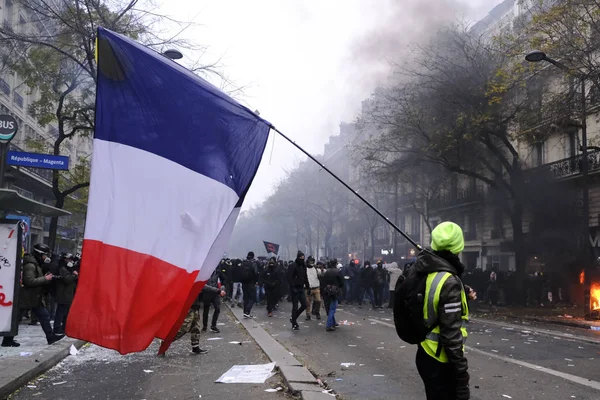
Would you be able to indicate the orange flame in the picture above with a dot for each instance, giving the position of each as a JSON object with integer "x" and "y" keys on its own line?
{"x": 582, "y": 277}
{"x": 595, "y": 296}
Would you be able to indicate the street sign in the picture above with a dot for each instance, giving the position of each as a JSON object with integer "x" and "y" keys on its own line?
{"x": 35, "y": 160}
{"x": 8, "y": 128}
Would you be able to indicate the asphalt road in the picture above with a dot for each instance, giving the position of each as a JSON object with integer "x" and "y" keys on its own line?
{"x": 97, "y": 373}
{"x": 505, "y": 362}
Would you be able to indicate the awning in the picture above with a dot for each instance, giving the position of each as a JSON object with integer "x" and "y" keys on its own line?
{"x": 12, "y": 201}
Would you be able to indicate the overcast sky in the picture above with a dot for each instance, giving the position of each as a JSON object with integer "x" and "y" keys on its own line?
{"x": 306, "y": 65}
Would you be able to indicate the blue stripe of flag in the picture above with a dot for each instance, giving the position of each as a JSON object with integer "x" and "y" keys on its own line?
{"x": 149, "y": 102}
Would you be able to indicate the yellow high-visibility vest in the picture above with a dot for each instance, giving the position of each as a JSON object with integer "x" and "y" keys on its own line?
{"x": 433, "y": 288}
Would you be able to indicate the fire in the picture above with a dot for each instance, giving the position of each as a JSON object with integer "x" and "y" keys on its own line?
{"x": 595, "y": 296}
{"x": 582, "y": 277}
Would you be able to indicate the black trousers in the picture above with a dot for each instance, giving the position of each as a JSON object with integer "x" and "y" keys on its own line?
{"x": 439, "y": 378}
{"x": 392, "y": 297}
{"x": 272, "y": 298}
{"x": 216, "y": 303}
{"x": 249, "y": 297}
{"x": 298, "y": 296}
{"x": 60, "y": 319}
{"x": 378, "y": 294}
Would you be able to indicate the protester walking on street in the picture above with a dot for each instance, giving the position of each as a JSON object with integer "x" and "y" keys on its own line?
{"x": 313, "y": 292}
{"x": 191, "y": 325}
{"x": 298, "y": 281}
{"x": 249, "y": 282}
{"x": 350, "y": 273}
{"x": 333, "y": 284}
{"x": 211, "y": 295}
{"x": 65, "y": 292}
{"x": 379, "y": 278}
{"x": 270, "y": 280}
{"x": 34, "y": 284}
{"x": 366, "y": 284}
{"x": 441, "y": 360}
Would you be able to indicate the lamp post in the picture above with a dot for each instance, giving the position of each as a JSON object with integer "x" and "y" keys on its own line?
{"x": 537, "y": 56}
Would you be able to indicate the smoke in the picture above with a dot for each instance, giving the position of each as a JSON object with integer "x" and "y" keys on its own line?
{"x": 395, "y": 27}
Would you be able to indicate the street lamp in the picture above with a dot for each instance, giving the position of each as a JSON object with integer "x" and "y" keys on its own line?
{"x": 173, "y": 54}
{"x": 537, "y": 56}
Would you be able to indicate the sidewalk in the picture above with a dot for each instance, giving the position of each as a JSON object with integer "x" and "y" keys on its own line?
{"x": 556, "y": 315}
{"x": 19, "y": 365}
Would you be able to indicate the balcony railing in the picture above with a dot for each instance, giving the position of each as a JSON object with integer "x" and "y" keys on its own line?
{"x": 570, "y": 167}
{"x": 463, "y": 196}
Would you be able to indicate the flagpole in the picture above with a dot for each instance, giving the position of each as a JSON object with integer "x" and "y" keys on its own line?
{"x": 355, "y": 192}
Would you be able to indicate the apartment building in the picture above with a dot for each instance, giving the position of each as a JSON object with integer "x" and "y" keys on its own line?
{"x": 15, "y": 98}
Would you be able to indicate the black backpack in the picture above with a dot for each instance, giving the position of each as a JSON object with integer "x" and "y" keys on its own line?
{"x": 409, "y": 299}
{"x": 248, "y": 272}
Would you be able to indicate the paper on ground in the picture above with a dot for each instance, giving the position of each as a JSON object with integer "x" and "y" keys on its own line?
{"x": 247, "y": 374}
{"x": 347, "y": 364}
{"x": 278, "y": 389}
{"x": 215, "y": 338}
{"x": 59, "y": 383}
{"x": 73, "y": 350}
{"x": 25, "y": 353}
{"x": 148, "y": 371}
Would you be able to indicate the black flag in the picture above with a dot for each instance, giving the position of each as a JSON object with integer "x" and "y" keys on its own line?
{"x": 271, "y": 247}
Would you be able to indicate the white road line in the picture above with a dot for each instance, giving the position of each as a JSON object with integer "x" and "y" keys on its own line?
{"x": 569, "y": 377}
{"x": 573, "y": 378}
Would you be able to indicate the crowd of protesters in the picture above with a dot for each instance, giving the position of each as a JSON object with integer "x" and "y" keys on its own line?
{"x": 313, "y": 287}
{"x": 48, "y": 286}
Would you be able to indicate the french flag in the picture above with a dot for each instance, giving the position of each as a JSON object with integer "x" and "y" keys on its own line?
{"x": 173, "y": 159}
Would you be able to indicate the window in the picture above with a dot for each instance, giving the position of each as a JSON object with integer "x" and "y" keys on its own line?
{"x": 537, "y": 154}
{"x": 18, "y": 99}
{"x": 570, "y": 141}
{"x": 415, "y": 226}
{"x": 4, "y": 87}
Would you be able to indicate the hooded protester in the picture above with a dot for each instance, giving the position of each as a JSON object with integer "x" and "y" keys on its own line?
{"x": 313, "y": 291}
{"x": 270, "y": 280}
{"x": 333, "y": 284}
{"x": 30, "y": 297}
{"x": 64, "y": 293}
{"x": 366, "y": 284}
{"x": 237, "y": 290}
{"x": 298, "y": 281}
{"x": 249, "y": 283}
{"x": 350, "y": 273}
{"x": 379, "y": 278}
{"x": 441, "y": 360}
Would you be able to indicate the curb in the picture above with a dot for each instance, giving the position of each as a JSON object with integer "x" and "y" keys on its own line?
{"x": 39, "y": 369}
{"x": 573, "y": 324}
{"x": 298, "y": 378}
{"x": 538, "y": 330}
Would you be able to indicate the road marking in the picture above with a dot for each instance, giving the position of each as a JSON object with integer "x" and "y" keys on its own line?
{"x": 573, "y": 378}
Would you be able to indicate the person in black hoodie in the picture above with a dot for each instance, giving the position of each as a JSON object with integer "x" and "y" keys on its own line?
{"x": 366, "y": 284}
{"x": 249, "y": 283}
{"x": 333, "y": 285}
{"x": 211, "y": 294}
{"x": 379, "y": 279}
{"x": 64, "y": 293}
{"x": 270, "y": 281}
{"x": 298, "y": 281}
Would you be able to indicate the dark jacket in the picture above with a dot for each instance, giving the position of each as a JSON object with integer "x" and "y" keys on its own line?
{"x": 65, "y": 287}
{"x": 379, "y": 275}
{"x": 333, "y": 277}
{"x": 270, "y": 277}
{"x": 34, "y": 284}
{"x": 211, "y": 289}
{"x": 366, "y": 277}
{"x": 296, "y": 275}
{"x": 450, "y": 322}
{"x": 351, "y": 270}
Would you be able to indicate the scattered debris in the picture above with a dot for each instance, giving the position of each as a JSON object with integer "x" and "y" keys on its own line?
{"x": 31, "y": 386}
{"x": 331, "y": 374}
{"x": 380, "y": 348}
{"x": 234, "y": 342}
{"x": 377, "y": 375}
{"x": 277, "y": 389}
{"x": 347, "y": 365}
{"x": 59, "y": 383}
{"x": 148, "y": 371}
{"x": 351, "y": 345}
{"x": 339, "y": 379}
{"x": 495, "y": 351}
{"x": 595, "y": 328}
{"x": 505, "y": 340}
{"x": 507, "y": 396}
{"x": 247, "y": 374}
{"x": 568, "y": 359}
{"x": 73, "y": 350}
{"x": 215, "y": 338}
{"x": 25, "y": 353}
